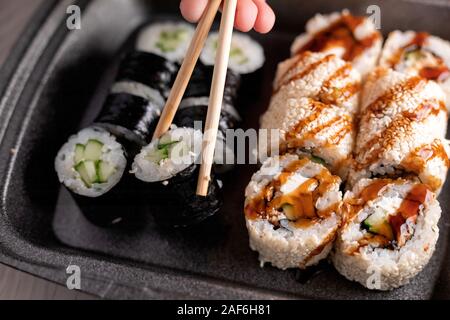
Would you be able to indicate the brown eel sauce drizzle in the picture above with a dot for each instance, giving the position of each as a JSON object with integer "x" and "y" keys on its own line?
{"x": 428, "y": 72}
{"x": 341, "y": 34}
{"x": 267, "y": 204}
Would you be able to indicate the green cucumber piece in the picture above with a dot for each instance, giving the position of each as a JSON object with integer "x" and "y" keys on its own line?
{"x": 88, "y": 172}
{"x": 414, "y": 55}
{"x": 93, "y": 150}
{"x": 170, "y": 40}
{"x": 318, "y": 160}
{"x": 79, "y": 153}
{"x": 289, "y": 211}
{"x": 378, "y": 223}
{"x": 104, "y": 171}
{"x": 166, "y": 145}
{"x": 237, "y": 53}
{"x": 157, "y": 155}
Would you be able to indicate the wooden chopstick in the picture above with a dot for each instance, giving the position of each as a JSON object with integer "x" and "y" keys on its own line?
{"x": 187, "y": 67}
{"x": 216, "y": 95}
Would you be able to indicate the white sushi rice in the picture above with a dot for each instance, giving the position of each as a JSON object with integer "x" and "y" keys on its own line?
{"x": 365, "y": 62}
{"x": 183, "y": 155}
{"x": 112, "y": 152}
{"x": 391, "y": 136}
{"x": 138, "y": 89}
{"x": 397, "y": 40}
{"x": 286, "y": 113}
{"x": 290, "y": 246}
{"x": 150, "y": 39}
{"x": 246, "y": 55}
{"x": 379, "y": 268}
{"x": 311, "y": 73}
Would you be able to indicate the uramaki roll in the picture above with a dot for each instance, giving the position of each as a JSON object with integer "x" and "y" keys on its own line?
{"x": 389, "y": 232}
{"x": 323, "y": 77}
{"x": 291, "y": 211}
{"x": 352, "y": 38}
{"x": 418, "y": 53}
{"x": 401, "y": 131}
{"x": 309, "y": 126}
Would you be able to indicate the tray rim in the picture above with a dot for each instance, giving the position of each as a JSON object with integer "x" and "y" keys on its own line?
{"x": 25, "y": 256}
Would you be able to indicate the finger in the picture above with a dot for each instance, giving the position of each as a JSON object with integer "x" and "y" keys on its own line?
{"x": 266, "y": 17}
{"x": 246, "y": 13}
{"x": 192, "y": 10}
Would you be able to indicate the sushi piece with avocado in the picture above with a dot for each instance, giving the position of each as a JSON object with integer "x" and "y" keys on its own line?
{"x": 389, "y": 227}
{"x": 292, "y": 211}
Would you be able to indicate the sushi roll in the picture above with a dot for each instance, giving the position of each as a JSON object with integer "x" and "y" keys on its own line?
{"x": 91, "y": 163}
{"x": 170, "y": 167}
{"x": 389, "y": 232}
{"x": 246, "y": 55}
{"x": 292, "y": 211}
{"x": 154, "y": 74}
{"x": 193, "y": 110}
{"x": 402, "y": 125}
{"x": 166, "y": 39}
{"x": 312, "y": 127}
{"x": 418, "y": 53}
{"x": 321, "y": 76}
{"x": 352, "y": 38}
{"x": 133, "y": 107}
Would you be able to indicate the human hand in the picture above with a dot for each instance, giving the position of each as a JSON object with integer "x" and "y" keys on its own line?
{"x": 250, "y": 14}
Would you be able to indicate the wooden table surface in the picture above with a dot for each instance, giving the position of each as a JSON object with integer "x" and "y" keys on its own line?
{"x": 14, "y": 284}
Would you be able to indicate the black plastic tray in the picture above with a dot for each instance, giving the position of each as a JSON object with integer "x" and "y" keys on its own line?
{"x": 53, "y": 84}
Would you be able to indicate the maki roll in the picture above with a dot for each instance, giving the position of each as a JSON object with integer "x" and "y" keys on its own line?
{"x": 389, "y": 232}
{"x": 352, "y": 38}
{"x": 246, "y": 55}
{"x": 402, "y": 125}
{"x": 92, "y": 165}
{"x": 132, "y": 109}
{"x": 166, "y": 39}
{"x": 311, "y": 127}
{"x": 418, "y": 53}
{"x": 152, "y": 72}
{"x": 194, "y": 108}
{"x": 323, "y": 77}
{"x": 170, "y": 167}
{"x": 292, "y": 211}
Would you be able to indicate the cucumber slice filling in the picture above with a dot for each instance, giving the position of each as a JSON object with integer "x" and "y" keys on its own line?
{"x": 88, "y": 172}
{"x": 170, "y": 40}
{"x": 93, "y": 150}
{"x": 79, "y": 153}
{"x": 88, "y": 164}
{"x": 162, "y": 150}
{"x": 318, "y": 160}
{"x": 377, "y": 223}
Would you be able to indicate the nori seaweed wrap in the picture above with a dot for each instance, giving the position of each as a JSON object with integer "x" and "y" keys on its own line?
{"x": 170, "y": 167}
{"x": 129, "y": 115}
{"x": 194, "y": 107}
{"x": 150, "y": 69}
{"x": 132, "y": 109}
{"x": 180, "y": 206}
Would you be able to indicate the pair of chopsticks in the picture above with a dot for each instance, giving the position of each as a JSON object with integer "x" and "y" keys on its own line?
{"x": 217, "y": 86}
